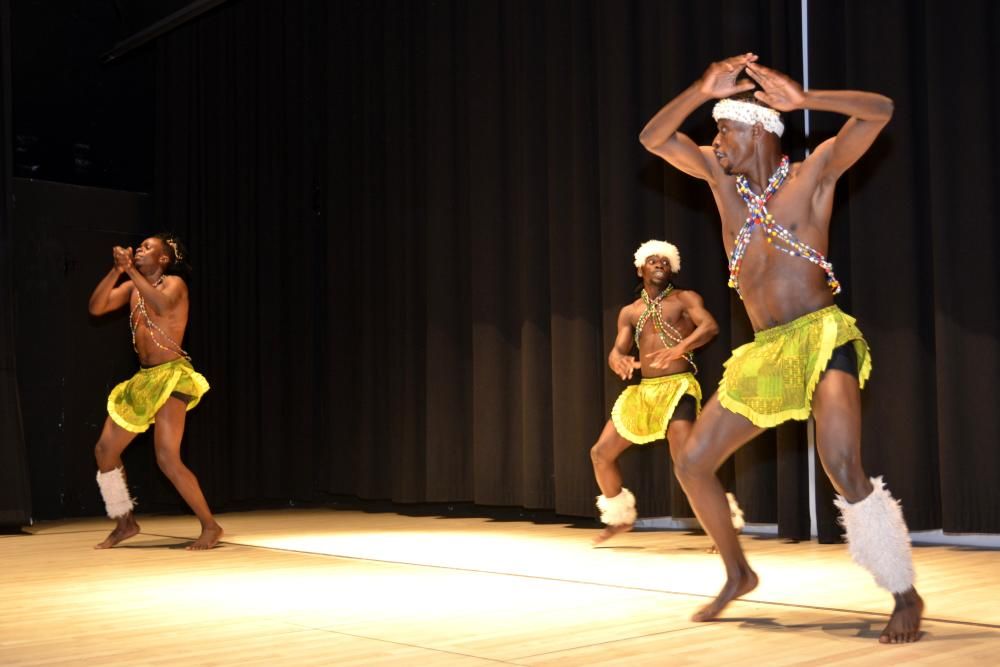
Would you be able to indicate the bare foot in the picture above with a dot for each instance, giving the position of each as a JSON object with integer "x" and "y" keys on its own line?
{"x": 126, "y": 528}
{"x": 611, "y": 531}
{"x": 733, "y": 588}
{"x": 210, "y": 536}
{"x": 904, "y": 624}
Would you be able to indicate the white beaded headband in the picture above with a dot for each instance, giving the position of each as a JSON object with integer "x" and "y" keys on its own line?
{"x": 749, "y": 113}
{"x": 661, "y": 249}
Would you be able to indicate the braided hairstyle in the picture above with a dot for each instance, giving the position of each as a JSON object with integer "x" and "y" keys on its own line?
{"x": 178, "y": 254}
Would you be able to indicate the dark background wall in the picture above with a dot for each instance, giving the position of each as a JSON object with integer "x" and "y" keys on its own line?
{"x": 71, "y": 357}
{"x": 76, "y": 120}
{"x": 15, "y": 497}
{"x": 412, "y": 226}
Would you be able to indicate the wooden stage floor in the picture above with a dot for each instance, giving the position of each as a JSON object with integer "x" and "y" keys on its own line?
{"x": 334, "y": 587}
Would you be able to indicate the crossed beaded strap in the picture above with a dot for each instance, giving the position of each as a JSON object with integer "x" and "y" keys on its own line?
{"x": 757, "y": 208}
{"x": 152, "y": 327}
{"x": 667, "y": 334}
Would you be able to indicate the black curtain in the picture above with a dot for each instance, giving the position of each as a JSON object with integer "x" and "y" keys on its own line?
{"x": 917, "y": 229}
{"x": 15, "y": 494}
{"x": 412, "y": 225}
{"x": 416, "y": 223}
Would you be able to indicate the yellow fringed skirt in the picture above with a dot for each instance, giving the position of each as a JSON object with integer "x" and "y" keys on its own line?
{"x": 643, "y": 411}
{"x": 772, "y": 379}
{"x": 133, "y": 404}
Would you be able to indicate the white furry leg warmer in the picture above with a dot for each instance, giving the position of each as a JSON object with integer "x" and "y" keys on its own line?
{"x": 735, "y": 513}
{"x": 114, "y": 490}
{"x": 618, "y": 510}
{"x": 877, "y": 537}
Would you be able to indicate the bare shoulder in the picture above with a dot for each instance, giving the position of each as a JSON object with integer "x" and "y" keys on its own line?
{"x": 689, "y": 298}
{"x": 694, "y": 309}
{"x": 174, "y": 282}
{"x": 175, "y": 288}
{"x": 814, "y": 165}
{"x": 630, "y": 312}
{"x": 813, "y": 179}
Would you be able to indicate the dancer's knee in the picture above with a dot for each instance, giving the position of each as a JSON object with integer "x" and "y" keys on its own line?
{"x": 103, "y": 451}
{"x": 599, "y": 454}
{"x": 678, "y": 431}
{"x": 691, "y": 461}
{"x": 170, "y": 464}
{"x": 677, "y": 438}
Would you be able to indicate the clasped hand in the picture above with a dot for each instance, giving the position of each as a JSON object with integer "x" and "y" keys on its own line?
{"x": 122, "y": 257}
{"x": 778, "y": 91}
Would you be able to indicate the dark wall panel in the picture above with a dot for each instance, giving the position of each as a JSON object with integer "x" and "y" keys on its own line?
{"x": 68, "y": 361}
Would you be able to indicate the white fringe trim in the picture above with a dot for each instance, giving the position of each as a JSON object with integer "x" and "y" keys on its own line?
{"x": 618, "y": 510}
{"x": 114, "y": 490}
{"x": 877, "y": 537}
{"x": 735, "y": 513}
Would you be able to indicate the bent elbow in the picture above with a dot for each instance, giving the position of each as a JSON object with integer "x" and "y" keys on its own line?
{"x": 647, "y": 141}
{"x": 888, "y": 107}
{"x": 711, "y": 329}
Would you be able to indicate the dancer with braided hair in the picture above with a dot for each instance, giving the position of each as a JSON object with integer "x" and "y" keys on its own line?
{"x": 163, "y": 390}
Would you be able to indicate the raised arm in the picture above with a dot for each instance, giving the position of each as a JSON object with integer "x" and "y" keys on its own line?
{"x": 661, "y": 135}
{"x": 868, "y": 114}
{"x": 108, "y": 296}
{"x": 619, "y": 359}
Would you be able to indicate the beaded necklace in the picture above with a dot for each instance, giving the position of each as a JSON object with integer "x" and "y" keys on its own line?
{"x": 757, "y": 207}
{"x": 667, "y": 334}
{"x": 151, "y": 326}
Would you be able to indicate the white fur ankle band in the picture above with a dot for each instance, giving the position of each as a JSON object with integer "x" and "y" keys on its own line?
{"x": 878, "y": 539}
{"x": 618, "y": 510}
{"x": 749, "y": 113}
{"x": 114, "y": 490}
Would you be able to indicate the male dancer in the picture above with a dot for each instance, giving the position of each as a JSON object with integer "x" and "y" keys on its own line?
{"x": 807, "y": 356}
{"x": 666, "y": 324}
{"x": 163, "y": 390}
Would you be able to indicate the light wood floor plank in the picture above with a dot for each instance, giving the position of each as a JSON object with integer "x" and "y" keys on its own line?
{"x": 322, "y": 587}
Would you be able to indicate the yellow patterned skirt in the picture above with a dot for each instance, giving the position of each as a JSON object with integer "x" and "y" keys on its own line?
{"x": 133, "y": 404}
{"x": 643, "y": 411}
{"x": 772, "y": 379}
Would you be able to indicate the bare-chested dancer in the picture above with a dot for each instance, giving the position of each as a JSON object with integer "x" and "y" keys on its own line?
{"x": 666, "y": 325}
{"x": 163, "y": 390}
{"x": 807, "y": 357}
